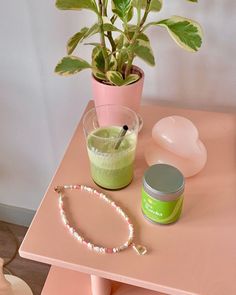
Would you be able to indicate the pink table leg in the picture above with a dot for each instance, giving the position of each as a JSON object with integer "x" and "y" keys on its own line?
{"x": 100, "y": 286}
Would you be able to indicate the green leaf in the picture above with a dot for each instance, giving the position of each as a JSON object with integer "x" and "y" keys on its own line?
{"x": 130, "y": 14}
{"x": 185, "y": 32}
{"x": 74, "y": 40}
{"x": 121, "y": 8}
{"x": 86, "y": 33}
{"x": 131, "y": 79}
{"x": 96, "y": 29}
{"x": 98, "y": 61}
{"x": 132, "y": 28}
{"x": 111, "y": 28}
{"x": 193, "y": 1}
{"x": 143, "y": 49}
{"x": 70, "y": 65}
{"x": 112, "y": 62}
{"x": 92, "y": 43}
{"x": 92, "y": 31}
{"x": 155, "y": 5}
{"x": 108, "y": 26}
{"x": 122, "y": 56}
{"x": 143, "y": 37}
{"x": 119, "y": 41}
{"x": 96, "y": 50}
{"x": 76, "y": 5}
{"x": 99, "y": 75}
{"x": 115, "y": 78}
{"x": 122, "y": 59}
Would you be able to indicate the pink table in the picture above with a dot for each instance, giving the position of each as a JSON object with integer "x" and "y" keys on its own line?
{"x": 196, "y": 255}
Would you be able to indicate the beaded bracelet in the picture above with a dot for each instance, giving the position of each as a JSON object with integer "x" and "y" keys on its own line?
{"x": 141, "y": 250}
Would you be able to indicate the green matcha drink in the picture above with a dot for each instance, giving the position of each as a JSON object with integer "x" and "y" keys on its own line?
{"x": 111, "y": 168}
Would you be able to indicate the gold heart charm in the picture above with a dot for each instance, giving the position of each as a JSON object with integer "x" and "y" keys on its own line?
{"x": 141, "y": 250}
{"x": 58, "y": 189}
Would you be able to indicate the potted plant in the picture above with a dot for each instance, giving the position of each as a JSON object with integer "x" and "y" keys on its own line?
{"x": 115, "y": 79}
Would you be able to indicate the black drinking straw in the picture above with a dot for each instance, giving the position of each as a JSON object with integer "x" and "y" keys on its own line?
{"x": 121, "y": 136}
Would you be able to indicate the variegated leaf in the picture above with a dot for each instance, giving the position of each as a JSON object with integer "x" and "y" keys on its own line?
{"x": 141, "y": 36}
{"x": 92, "y": 31}
{"x": 130, "y": 14}
{"x": 108, "y": 26}
{"x": 111, "y": 28}
{"x": 115, "y": 78}
{"x": 71, "y": 65}
{"x": 185, "y": 32}
{"x": 95, "y": 50}
{"x": 98, "y": 61}
{"x": 76, "y": 5}
{"x": 74, "y": 40}
{"x": 122, "y": 59}
{"x": 95, "y": 29}
{"x": 98, "y": 74}
{"x": 131, "y": 79}
{"x": 155, "y": 5}
{"x": 119, "y": 41}
{"x": 112, "y": 62}
{"x": 122, "y": 8}
{"x": 143, "y": 49}
{"x": 92, "y": 43}
{"x": 132, "y": 28}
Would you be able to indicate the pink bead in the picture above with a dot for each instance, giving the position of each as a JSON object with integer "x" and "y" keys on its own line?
{"x": 109, "y": 250}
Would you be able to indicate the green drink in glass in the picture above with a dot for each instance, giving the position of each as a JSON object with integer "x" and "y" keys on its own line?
{"x": 110, "y": 152}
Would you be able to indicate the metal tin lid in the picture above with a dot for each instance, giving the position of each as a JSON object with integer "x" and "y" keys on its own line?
{"x": 163, "y": 182}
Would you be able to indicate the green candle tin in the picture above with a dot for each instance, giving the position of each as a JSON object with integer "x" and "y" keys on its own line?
{"x": 162, "y": 193}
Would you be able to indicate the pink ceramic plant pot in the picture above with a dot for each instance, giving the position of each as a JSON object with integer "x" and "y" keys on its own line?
{"x": 128, "y": 95}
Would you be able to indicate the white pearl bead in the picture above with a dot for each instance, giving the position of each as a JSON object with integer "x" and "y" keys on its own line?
{"x": 71, "y": 230}
{"x": 97, "y": 249}
{"x": 64, "y": 220}
{"x": 81, "y": 239}
{"x": 90, "y": 246}
{"x": 76, "y": 235}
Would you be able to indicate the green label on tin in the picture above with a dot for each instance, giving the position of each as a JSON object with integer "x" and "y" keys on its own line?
{"x": 160, "y": 211}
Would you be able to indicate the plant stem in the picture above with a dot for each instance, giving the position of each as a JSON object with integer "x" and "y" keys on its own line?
{"x": 102, "y": 37}
{"x": 112, "y": 42}
{"x": 145, "y": 13}
{"x": 136, "y": 33}
{"x": 129, "y": 65}
{"x": 104, "y": 8}
{"x": 132, "y": 44}
{"x": 113, "y": 18}
{"x": 109, "y": 34}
